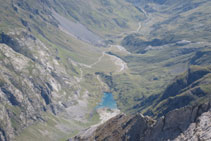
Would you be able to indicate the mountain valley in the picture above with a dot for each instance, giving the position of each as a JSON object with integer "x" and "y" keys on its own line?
{"x": 58, "y": 58}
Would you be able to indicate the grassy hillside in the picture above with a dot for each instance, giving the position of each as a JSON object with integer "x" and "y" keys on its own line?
{"x": 103, "y": 17}
{"x": 174, "y": 36}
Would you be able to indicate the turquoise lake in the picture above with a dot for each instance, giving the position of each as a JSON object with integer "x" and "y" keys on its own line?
{"x": 107, "y": 101}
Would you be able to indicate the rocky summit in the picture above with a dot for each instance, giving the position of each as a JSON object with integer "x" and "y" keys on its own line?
{"x": 187, "y": 123}
{"x": 105, "y": 70}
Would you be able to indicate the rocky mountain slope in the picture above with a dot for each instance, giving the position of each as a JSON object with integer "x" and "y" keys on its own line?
{"x": 30, "y": 83}
{"x": 187, "y": 123}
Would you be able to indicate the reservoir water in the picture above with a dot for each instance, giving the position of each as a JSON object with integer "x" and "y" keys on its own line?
{"x": 107, "y": 101}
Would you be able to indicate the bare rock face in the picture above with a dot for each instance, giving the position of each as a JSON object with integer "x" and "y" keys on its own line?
{"x": 187, "y": 123}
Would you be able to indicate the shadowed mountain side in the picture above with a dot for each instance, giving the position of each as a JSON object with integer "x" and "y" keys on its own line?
{"x": 187, "y": 89}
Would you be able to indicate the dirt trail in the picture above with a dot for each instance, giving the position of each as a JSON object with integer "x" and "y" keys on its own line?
{"x": 99, "y": 59}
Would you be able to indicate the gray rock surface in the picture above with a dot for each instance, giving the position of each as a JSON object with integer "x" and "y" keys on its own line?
{"x": 199, "y": 130}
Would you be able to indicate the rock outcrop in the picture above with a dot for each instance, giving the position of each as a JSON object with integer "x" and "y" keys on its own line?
{"x": 187, "y": 123}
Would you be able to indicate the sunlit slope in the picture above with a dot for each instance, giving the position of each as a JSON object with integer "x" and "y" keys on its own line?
{"x": 103, "y": 17}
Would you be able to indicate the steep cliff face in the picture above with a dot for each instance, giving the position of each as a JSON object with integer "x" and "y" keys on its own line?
{"x": 188, "y": 123}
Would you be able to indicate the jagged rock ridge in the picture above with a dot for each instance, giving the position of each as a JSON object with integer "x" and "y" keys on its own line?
{"x": 187, "y": 123}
